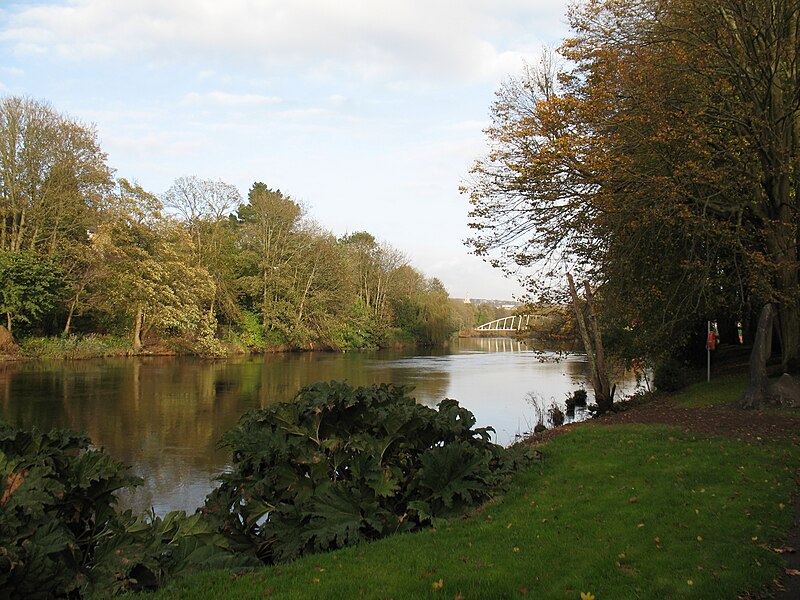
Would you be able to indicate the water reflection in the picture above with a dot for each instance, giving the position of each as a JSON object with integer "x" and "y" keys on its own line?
{"x": 165, "y": 415}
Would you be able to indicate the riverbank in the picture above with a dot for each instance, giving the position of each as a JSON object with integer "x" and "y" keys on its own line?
{"x": 684, "y": 497}
{"x": 91, "y": 346}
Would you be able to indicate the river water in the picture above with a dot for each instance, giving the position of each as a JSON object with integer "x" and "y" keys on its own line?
{"x": 165, "y": 415}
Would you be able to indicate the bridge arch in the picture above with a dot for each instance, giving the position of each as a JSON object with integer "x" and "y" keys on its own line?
{"x": 512, "y": 323}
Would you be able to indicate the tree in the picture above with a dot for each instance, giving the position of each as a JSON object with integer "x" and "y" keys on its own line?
{"x": 421, "y": 307}
{"x": 204, "y": 206}
{"x": 52, "y": 176}
{"x": 593, "y": 344}
{"x": 148, "y": 277}
{"x": 672, "y": 140}
{"x": 373, "y": 267}
{"x": 30, "y": 286}
{"x": 269, "y": 224}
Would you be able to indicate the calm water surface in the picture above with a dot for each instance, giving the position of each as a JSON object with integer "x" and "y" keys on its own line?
{"x": 165, "y": 415}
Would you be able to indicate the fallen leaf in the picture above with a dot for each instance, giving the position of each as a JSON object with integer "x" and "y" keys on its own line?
{"x": 437, "y": 585}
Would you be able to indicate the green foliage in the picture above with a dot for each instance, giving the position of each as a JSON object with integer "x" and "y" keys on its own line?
{"x": 30, "y": 285}
{"x": 251, "y": 331}
{"x": 339, "y": 465}
{"x": 76, "y": 346}
{"x": 671, "y": 376}
{"x": 57, "y": 500}
{"x": 61, "y": 536}
{"x": 147, "y": 550}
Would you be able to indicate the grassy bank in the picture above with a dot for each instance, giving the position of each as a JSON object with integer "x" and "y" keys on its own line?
{"x": 74, "y": 347}
{"x": 623, "y": 511}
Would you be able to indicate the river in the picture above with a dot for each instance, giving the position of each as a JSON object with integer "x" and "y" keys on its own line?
{"x": 165, "y": 415}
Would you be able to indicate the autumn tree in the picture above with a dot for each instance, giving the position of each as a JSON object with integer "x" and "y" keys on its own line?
{"x": 661, "y": 162}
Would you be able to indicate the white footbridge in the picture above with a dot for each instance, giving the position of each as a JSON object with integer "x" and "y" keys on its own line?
{"x": 512, "y": 323}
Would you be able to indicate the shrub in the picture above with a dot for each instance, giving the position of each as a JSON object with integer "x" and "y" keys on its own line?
{"x": 76, "y": 346}
{"x": 56, "y": 504}
{"x": 556, "y": 415}
{"x": 339, "y": 465}
{"x": 576, "y": 398}
{"x": 252, "y": 331}
{"x": 61, "y": 536}
{"x": 671, "y": 376}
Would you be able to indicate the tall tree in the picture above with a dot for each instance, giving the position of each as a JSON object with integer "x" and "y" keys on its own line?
{"x": 269, "y": 225}
{"x": 148, "y": 277}
{"x": 52, "y": 175}
{"x": 373, "y": 267}
{"x": 672, "y": 140}
{"x": 204, "y": 207}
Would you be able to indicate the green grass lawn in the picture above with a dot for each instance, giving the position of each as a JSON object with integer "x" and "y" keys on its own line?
{"x": 720, "y": 391}
{"x": 618, "y": 511}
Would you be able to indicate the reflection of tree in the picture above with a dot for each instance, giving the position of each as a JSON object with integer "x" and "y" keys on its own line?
{"x": 165, "y": 415}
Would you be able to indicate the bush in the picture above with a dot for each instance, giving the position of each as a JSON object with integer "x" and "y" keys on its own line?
{"x": 76, "y": 346}
{"x": 251, "y": 331}
{"x": 61, "y": 536}
{"x": 671, "y": 376}
{"x": 56, "y": 504}
{"x": 340, "y": 465}
{"x": 556, "y": 415}
{"x": 577, "y": 398}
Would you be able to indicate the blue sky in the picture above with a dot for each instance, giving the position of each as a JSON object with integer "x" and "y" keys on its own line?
{"x": 370, "y": 112}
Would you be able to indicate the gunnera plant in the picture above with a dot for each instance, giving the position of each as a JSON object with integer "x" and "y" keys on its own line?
{"x": 62, "y": 537}
{"x": 340, "y": 465}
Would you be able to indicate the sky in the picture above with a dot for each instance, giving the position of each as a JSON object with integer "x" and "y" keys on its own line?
{"x": 369, "y": 112}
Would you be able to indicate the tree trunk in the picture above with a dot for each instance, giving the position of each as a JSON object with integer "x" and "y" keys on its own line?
{"x": 137, "y": 329}
{"x": 72, "y": 306}
{"x": 756, "y": 395}
{"x": 8, "y": 322}
{"x": 594, "y": 350}
{"x": 606, "y": 396}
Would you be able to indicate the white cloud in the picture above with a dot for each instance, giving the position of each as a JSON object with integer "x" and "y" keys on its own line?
{"x": 464, "y": 40}
{"x": 227, "y": 99}
{"x": 12, "y": 71}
